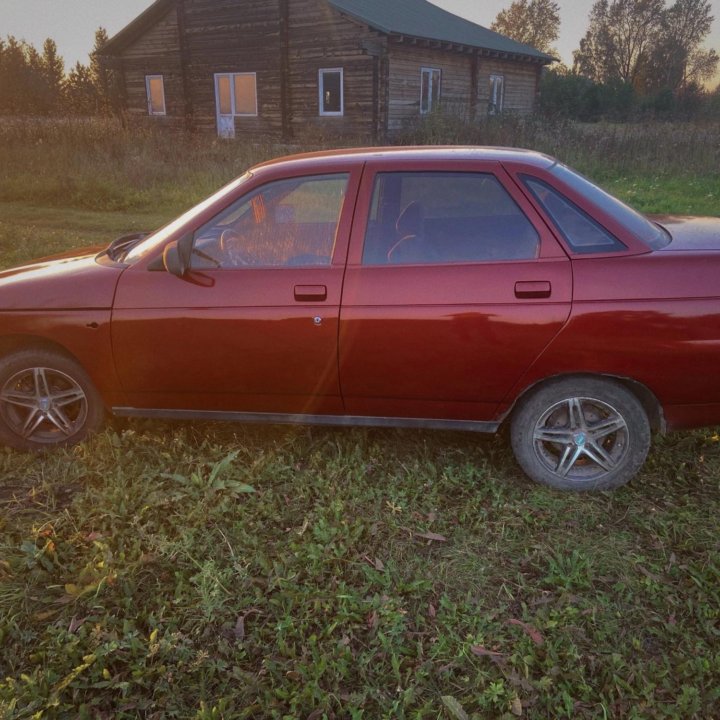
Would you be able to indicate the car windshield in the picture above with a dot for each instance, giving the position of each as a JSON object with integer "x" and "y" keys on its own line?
{"x": 160, "y": 236}
{"x": 653, "y": 235}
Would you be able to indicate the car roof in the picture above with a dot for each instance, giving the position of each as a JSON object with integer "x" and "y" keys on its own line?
{"x": 408, "y": 154}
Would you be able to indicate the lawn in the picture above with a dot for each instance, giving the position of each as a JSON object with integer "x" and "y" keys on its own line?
{"x": 223, "y": 571}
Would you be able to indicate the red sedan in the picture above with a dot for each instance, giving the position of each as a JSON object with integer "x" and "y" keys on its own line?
{"x": 458, "y": 288}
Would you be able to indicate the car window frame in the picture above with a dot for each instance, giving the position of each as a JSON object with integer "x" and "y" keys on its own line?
{"x": 549, "y": 247}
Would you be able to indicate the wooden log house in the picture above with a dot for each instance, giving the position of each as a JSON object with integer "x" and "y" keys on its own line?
{"x": 293, "y": 69}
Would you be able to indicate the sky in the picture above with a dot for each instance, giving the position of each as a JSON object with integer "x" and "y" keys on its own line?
{"x": 72, "y": 23}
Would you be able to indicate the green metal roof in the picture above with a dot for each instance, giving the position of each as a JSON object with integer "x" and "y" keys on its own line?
{"x": 421, "y": 19}
{"x": 415, "y": 18}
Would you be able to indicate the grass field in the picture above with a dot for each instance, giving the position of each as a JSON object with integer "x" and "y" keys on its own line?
{"x": 221, "y": 571}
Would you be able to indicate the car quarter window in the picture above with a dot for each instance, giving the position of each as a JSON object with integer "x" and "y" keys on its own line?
{"x": 445, "y": 217}
{"x": 582, "y": 233}
{"x": 285, "y": 223}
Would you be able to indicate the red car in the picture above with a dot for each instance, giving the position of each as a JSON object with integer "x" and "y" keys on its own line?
{"x": 458, "y": 288}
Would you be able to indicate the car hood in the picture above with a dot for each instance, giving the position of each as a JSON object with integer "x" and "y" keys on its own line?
{"x": 691, "y": 233}
{"x": 74, "y": 280}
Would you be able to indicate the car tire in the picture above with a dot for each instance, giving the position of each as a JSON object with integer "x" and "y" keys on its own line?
{"x": 580, "y": 434}
{"x": 47, "y": 400}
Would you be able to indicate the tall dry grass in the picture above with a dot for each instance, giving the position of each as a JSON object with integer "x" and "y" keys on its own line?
{"x": 98, "y": 164}
{"x": 602, "y": 149}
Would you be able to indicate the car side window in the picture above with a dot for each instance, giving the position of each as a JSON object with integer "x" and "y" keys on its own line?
{"x": 445, "y": 217}
{"x": 580, "y": 231}
{"x": 286, "y": 223}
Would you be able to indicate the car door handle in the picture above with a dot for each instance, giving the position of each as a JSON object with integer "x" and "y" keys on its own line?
{"x": 310, "y": 293}
{"x": 533, "y": 289}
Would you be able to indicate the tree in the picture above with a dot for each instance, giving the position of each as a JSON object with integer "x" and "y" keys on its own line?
{"x": 678, "y": 60}
{"x": 619, "y": 40}
{"x": 102, "y": 77}
{"x": 79, "y": 92}
{"x": 643, "y": 43}
{"x": 17, "y": 81}
{"x": 52, "y": 72}
{"x": 533, "y": 22}
{"x": 30, "y": 82}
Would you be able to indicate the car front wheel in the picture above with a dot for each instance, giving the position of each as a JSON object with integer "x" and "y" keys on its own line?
{"x": 46, "y": 400}
{"x": 581, "y": 434}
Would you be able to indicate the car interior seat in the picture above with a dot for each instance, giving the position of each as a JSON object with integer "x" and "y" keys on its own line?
{"x": 410, "y": 229}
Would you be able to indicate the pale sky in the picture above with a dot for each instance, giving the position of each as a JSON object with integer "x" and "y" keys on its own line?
{"x": 72, "y": 23}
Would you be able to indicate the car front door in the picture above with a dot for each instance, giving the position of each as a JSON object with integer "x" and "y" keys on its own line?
{"x": 454, "y": 286}
{"x": 253, "y": 326}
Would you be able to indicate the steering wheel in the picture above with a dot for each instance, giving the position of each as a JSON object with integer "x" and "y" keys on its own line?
{"x": 231, "y": 246}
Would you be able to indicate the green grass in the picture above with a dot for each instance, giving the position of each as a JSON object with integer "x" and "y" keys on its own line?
{"x": 30, "y": 231}
{"x": 223, "y": 571}
{"x": 699, "y": 195}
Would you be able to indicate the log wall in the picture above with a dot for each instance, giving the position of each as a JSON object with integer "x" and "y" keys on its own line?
{"x": 320, "y": 37}
{"x": 520, "y": 84}
{"x": 405, "y": 63}
{"x": 227, "y": 36}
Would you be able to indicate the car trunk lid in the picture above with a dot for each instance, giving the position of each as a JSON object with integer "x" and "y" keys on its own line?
{"x": 690, "y": 233}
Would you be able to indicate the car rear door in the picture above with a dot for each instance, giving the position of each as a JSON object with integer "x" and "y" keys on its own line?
{"x": 453, "y": 287}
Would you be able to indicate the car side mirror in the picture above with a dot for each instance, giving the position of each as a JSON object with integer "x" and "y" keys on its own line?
{"x": 176, "y": 256}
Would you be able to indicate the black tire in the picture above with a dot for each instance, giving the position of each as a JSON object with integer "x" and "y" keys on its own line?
{"x": 580, "y": 434}
{"x": 46, "y": 400}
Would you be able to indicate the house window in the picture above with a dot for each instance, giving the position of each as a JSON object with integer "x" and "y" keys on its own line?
{"x": 155, "y": 94}
{"x": 237, "y": 94}
{"x": 330, "y": 84}
{"x": 497, "y": 94}
{"x": 429, "y": 89}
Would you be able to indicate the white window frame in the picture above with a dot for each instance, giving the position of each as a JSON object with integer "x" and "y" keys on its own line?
{"x": 495, "y": 108}
{"x": 321, "y": 92}
{"x": 148, "y": 79}
{"x": 233, "y": 108}
{"x": 432, "y": 102}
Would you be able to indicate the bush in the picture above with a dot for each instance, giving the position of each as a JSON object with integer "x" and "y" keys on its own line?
{"x": 566, "y": 94}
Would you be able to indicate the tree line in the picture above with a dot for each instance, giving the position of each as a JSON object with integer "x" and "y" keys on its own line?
{"x": 34, "y": 82}
{"x": 637, "y": 58}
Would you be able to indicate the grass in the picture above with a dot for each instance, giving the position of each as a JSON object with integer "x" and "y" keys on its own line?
{"x": 102, "y": 167}
{"x": 221, "y": 571}
{"x": 30, "y": 231}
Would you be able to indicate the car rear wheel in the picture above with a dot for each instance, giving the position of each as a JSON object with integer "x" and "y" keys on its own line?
{"x": 46, "y": 400}
{"x": 581, "y": 434}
